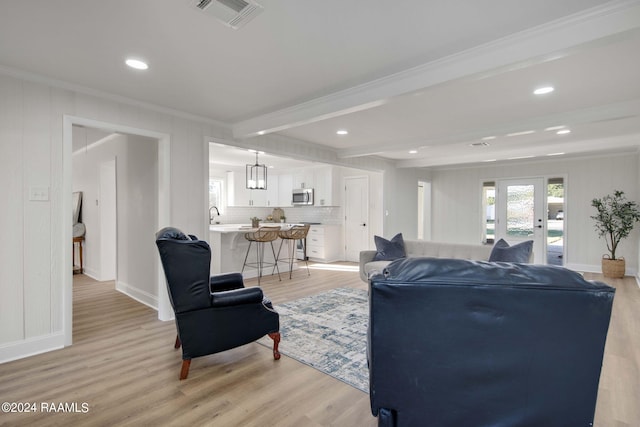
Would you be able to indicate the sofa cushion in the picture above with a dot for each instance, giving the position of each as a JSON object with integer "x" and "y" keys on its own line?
{"x": 388, "y": 250}
{"x": 503, "y": 252}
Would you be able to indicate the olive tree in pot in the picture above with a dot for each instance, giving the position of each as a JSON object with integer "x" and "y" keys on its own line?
{"x": 615, "y": 219}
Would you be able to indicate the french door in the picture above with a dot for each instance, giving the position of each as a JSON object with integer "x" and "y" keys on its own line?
{"x": 521, "y": 214}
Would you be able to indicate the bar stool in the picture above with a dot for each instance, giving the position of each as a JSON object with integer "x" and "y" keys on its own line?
{"x": 261, "y": 236}
{"x": 297, "y": 232}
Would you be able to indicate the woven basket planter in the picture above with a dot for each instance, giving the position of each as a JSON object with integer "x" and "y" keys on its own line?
{"x": 613, "y": 268}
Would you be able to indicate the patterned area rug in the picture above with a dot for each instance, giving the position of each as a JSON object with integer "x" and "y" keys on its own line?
{"x": 328, "y": 332}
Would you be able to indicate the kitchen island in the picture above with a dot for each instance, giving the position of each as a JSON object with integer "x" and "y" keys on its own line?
{"x": 229, "y": 247}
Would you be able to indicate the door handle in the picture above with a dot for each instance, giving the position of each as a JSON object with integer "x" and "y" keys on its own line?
{"x": 363, "y": 224}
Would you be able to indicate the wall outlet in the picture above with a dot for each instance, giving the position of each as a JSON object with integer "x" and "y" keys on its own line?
{"x": 39, "y": 194}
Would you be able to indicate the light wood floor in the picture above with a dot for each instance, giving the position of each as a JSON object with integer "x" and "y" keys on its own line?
{"x": 124, "y": 366}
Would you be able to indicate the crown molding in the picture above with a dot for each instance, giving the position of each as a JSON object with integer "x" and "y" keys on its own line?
{"x": 549, "y": 41}
{"x": 60, "y": 84}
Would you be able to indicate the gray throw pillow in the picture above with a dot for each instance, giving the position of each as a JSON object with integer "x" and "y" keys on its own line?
{"x": 517, "y": 253}
{"x": 388, "y": 250}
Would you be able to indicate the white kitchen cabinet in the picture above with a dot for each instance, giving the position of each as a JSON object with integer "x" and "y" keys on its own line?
{"x": 324, "y": 243}
{"x": 303, "y": 178}
{"x": 272, "y": 192}
{"x": 327, "y": 186}
{"x": 285, "y": 190}
{"x": 240, "y": 196}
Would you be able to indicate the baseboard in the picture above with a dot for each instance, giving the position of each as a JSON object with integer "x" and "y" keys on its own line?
{"x": 31, "y": 346}
{"x": 92, "y": 273}
{"x": 590, "y": 268}
{"x": 143, "y": 297}
{"x": 584, "y": 268}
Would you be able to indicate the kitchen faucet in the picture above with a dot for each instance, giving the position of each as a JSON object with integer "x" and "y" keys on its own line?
{"x": 211, "y": 215}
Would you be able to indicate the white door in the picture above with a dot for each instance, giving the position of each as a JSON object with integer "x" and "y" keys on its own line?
{"x": 356, "y": 212}
{"x": 520, "y": 214}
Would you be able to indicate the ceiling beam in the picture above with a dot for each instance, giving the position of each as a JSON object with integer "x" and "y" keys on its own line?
{"x": 543, "y": 43}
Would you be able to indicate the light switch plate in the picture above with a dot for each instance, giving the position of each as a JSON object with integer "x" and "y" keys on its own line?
{"x": 39, "y": 193}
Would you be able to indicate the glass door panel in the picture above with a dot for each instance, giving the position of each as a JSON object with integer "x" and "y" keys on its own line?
{"x": 520, "y": 213}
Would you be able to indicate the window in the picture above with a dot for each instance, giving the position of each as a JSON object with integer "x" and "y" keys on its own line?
{"x": 489, "y": 211}
{"x": 215, "y": 193}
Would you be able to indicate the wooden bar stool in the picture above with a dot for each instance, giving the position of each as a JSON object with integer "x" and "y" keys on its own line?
{"x": 265, "y": 234}
{"x": 297, "y": 232}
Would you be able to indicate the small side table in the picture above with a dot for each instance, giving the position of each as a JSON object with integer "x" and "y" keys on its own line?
{"x": 79, "y": 240}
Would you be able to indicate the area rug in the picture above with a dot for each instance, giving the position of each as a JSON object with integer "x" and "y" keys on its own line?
{"x": 328, "y": 332}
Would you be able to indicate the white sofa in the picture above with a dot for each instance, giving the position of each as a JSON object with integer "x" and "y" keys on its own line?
{"x": 424, "y": 248}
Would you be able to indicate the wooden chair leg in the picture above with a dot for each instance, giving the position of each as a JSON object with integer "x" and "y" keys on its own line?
{"x": 178, "y": 343}
{"x": 184, "y": 371}
{"x": 275, "y": 336}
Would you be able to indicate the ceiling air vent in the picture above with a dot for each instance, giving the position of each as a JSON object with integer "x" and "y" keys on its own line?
{"x": 233, "y": 13}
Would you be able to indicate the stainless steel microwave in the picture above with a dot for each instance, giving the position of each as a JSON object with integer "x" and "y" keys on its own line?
{"x": 302, "y": 196}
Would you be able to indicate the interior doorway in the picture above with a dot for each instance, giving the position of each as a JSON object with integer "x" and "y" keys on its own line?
{"x": 424, "y": 210}
{"x": 160, "y": 212}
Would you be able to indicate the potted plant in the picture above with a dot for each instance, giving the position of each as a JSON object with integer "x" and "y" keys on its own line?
{"x": 283, "y": 218}
{"x": 615, "y": 219}
{"x": 255, "y": 221}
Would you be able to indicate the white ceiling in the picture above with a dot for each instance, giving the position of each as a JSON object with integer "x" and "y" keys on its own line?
{"x": 429, "y": 75}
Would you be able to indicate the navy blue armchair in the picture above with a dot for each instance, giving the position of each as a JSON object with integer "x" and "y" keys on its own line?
{"x": 215, "y": 313}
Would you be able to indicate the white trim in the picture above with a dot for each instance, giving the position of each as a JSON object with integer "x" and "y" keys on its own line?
{"x": 139, "y": 295}
{"x": 37, "y": 78}
{"x": 164, "y": 211}
{"x": 31, "y": 346}
{"x": 545, "y": 42}
{"x": 590, "y": 268}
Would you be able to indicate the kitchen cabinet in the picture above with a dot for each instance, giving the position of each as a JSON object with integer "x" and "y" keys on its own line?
{"x": 285, "y": 189}
{"x": 272, "y": 191}
{"x": 303, "y": 178}
{"x": 239, "y": 195}
{"x": 324, "y": 243}
{"x": 327, "y": 186}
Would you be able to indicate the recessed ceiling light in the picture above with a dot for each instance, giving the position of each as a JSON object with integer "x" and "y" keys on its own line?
{"x": 490, "y": 160}
{"x": 488, "y": 138}
{"x": 137, "y": 64}
{"x": 342, "y": 132}
{"x": 524, "y": 132}
{"x": 413, "y": 152}
{"x": 564, "y": 131}
{"x": 543, "y": 90}
{"x": 520, "y": 157}
{"x": 261, "y": 132}
{"x": 556, "y": 127}
{"x": 555, "y": 154}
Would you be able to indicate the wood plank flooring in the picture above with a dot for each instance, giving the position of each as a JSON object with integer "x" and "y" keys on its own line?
{"x": 123, "y": 365}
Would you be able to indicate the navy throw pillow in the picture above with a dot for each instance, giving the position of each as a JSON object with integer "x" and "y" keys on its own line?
{"x": 517, "y": 253}
{"x": 388, "y": 250}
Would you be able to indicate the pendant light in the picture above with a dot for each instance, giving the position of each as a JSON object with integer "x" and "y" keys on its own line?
{"x": 257, "y": 176}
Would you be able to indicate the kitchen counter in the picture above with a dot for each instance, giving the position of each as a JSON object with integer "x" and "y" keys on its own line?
{"x": 229, "y": 248}
{"x": 243, "y": 228}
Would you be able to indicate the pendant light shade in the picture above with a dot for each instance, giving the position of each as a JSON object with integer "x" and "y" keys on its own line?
{"x": 257, "y": 176}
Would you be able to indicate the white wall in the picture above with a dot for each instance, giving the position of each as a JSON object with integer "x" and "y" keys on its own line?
{"x": 401, "y": 201}
{"x": 457, "y": 202}
{"x": 33, "y": 277}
